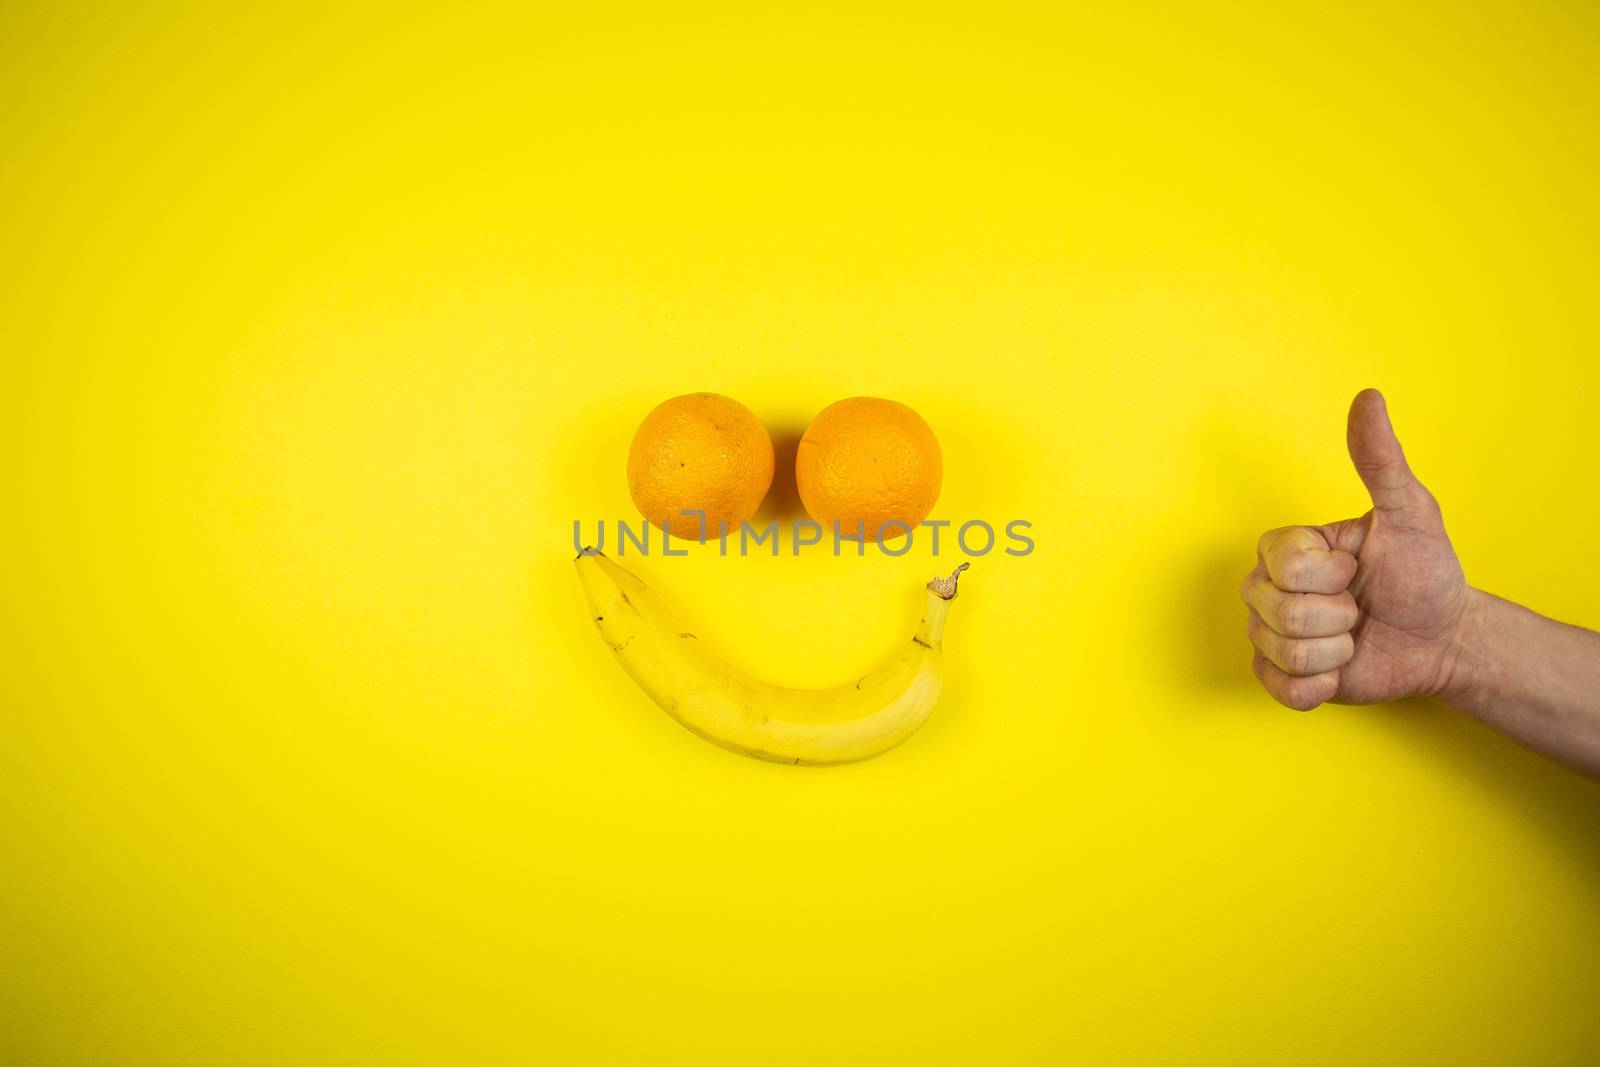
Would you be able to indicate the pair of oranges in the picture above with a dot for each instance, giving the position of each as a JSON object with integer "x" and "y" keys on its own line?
{"x": 865, "y": 466}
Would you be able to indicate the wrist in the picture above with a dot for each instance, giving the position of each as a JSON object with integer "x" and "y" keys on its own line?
{"x": 1462, "y": 663}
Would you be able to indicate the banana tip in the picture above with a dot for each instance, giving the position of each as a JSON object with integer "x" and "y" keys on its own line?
{"x": 945, "y": 588}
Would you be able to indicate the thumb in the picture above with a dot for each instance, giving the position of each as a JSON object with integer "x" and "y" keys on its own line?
{"x": 1375, "y": 451}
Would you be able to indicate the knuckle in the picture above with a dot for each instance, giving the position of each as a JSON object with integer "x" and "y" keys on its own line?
{"x": 1302, "y": 695}
{"x": 1298, "y": 656}
{"x": 1291, "y": 615}
{"x": 1283, "y": 539}
{"x": 1344, "y": 564}
{"x": 1296, "y": 567}
{"x": 1350, "y": 612}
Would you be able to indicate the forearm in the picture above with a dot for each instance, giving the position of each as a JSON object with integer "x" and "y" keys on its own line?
{"x": 1532, "y": 678}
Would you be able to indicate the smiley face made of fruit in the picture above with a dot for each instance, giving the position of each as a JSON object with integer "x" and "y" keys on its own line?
{"x": 866, "y": 467}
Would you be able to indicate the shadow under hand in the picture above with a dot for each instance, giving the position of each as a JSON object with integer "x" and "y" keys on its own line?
{"x": 1217, "y": 655}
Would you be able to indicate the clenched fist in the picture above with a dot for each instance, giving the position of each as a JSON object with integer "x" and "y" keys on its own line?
{"x": 1366, "y": 609}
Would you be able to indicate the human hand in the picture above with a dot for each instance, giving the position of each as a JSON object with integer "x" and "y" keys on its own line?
{"x": 1363, "y": 610}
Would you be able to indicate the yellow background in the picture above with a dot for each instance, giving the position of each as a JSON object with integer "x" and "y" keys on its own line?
{"x": 320, "y": 328}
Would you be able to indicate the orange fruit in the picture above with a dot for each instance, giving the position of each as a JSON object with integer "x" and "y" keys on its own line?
{"x": 701, "y": 452}
{"x": 868, "y": 461}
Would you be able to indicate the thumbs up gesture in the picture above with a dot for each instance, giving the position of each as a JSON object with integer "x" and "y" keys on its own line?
{"x": 1366, "y": 609}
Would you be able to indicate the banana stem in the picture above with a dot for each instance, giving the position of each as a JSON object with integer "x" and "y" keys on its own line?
{"x": 930, "y": 631}
{"x": 945, "y": 588}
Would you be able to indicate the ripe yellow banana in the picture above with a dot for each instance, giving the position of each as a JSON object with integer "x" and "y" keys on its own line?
{"x": 722, "y": 705}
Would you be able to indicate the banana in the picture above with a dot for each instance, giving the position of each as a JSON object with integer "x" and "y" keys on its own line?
{"x": 726, "y": 707}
